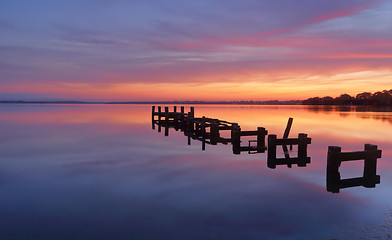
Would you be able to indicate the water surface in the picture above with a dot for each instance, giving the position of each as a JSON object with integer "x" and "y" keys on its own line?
{"x": 101, "y": 172}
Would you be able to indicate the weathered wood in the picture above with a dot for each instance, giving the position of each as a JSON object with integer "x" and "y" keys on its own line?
{"x": 336, "y": 157}
{"x": 249, "y": 133}
{"x": 303, "y": 146}
{"x": 288, "y": 141}
{"x": 359, "y": 155}
{"x": 261, "y": 133}
{"x": 271, "y": 151}
{"x": 288, "y": 127}
{"x": 236, "y": 139}
{"x": 214, "y": 132}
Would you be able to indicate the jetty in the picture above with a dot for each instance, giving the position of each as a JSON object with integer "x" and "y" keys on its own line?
{"x": 208, "y": 130}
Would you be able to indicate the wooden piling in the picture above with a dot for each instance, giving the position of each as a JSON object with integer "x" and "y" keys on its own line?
{"x": 236, "y": 139}
{"x": 370, "y": 166}
{"x": 166, "y": 115}
{"x": 288, "y": 127}
{"x": 302, "y": 149}
{"x": 214, "y": 133}
{"x": 153, "y": 117}
{"x": 271, "y": 151}
{"x": 159, "y": 114}
{"x": 261, "y": 133}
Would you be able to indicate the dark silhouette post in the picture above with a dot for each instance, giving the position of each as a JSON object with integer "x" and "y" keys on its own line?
{"x": 182, "y": 109}
{"x": 302, "y": 149}
{"x": 175, "y": 109}
{"x": 370, "y": 167}
{"x": 287, "y": 131}
{"x": 166, "y": 115}
{"x": 236, "y": 139}
{"x": 271, "y": 151}
{"x": 153, "y": 117}
{"x": 203, "y": 125}
{"x": 333, "y": 164}
{"x": 261, "y": 133}
{"x": 159, "y": 114}
{"x": 214, "y": 133}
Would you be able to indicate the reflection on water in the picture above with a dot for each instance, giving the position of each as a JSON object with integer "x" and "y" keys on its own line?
{"x": 99, "y": 172}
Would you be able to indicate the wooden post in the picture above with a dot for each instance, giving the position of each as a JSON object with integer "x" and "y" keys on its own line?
{"x": 261, "y": 132}
{"x": 153, "y": 117}
{"x": 333, "y": 164}
{"x": 302, "y": 149}
{"x": 236, "y": 139}
{"x": 182, "y": 109}
{"x": 287, "y": 130}
{"x": 203, "y": 144}
{"x": 189, "y": 140}
{"x": 271, "y": 159}
{"x": 166, "y": 130}
{"x": 203, "y": 125}
{"x": 370, "y": 167}
{"x": 166, "y": 115}
{"x": 190, "y": 123}
{"x": 288, "y": 127}
{"x": 175, "y": 109}
{"x": 233, "y": 127}
{"x": 193, "y": 111}
{"x": 214, "y": 132}
{"x": 159, "y": 114}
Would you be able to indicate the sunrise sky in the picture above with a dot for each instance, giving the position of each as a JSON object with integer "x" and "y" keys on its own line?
{"x": 140, "y": 50}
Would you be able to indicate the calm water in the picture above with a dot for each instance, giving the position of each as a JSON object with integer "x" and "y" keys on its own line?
{"x": 101, "y": 172}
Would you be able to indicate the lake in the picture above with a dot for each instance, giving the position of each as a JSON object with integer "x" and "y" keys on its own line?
{"x": 102, "y": 172}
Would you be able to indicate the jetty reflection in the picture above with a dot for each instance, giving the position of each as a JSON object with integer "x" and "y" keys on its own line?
{"x": 335, "y": 159}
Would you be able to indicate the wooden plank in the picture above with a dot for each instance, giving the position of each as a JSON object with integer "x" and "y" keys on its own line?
{"x": 288, "y": 141}
{"x": 359, "y": 155}
{"x": 294, "y": 160}
{"x": 249, "y": 133}
{"x": 288, "y": 127}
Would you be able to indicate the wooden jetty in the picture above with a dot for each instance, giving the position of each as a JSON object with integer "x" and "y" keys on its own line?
{"x": 335, "y": 159}
{"x": 301, "y": 160}
{"x": 207, "y": 130}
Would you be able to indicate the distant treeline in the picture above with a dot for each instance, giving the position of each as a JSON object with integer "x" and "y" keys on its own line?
{"x": 365, "y": 98}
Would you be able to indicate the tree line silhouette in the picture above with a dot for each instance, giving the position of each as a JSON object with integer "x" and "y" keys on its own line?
{"x": 366, "y": 98}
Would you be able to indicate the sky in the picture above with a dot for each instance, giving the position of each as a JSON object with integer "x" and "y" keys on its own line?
{"x": 153, "y": 50}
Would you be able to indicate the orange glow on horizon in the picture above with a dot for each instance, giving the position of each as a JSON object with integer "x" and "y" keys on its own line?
{"x": 253, "y": 86}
